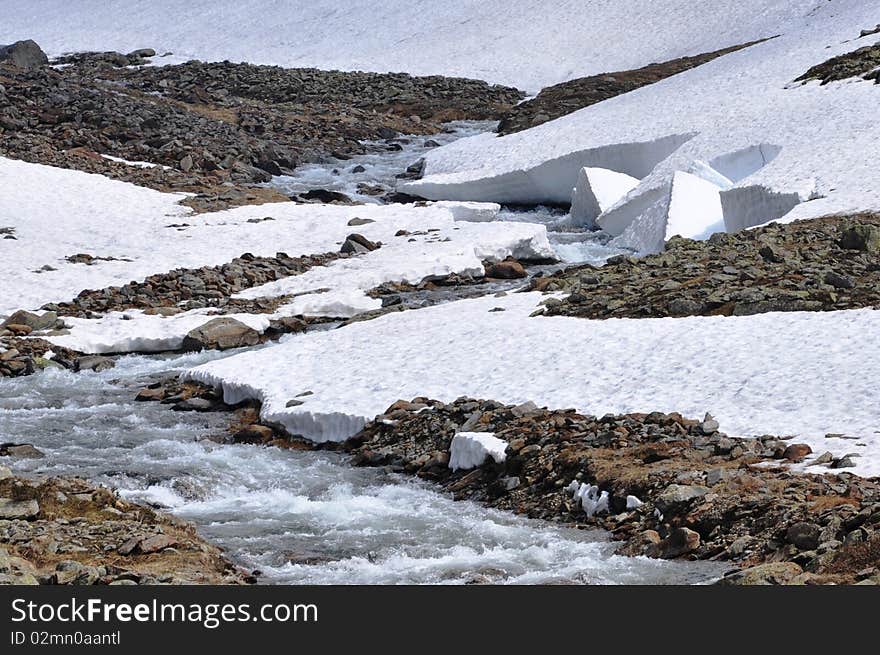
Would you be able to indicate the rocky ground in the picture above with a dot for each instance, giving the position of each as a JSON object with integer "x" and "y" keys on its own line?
{"x": 23, "y": 351}
{"x": 567, "y": 97}
{"x": 66, "y": 531}
{"x": 216, "y": 129}
{"x": 674, "y": 487}
{"x": 864, "y": 63}
{"x": 822, "y": 264}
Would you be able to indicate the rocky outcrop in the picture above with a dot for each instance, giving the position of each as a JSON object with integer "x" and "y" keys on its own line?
{"x": 864, "y": 63}
{"x": 216, "y": 129}
{"x": 567, "y": 97}
{"x": 663, "y": 485}
{"x": 822, "y": 264}
{"x": 221, "y": 334}
{"x": 26, "y": 55}
{"x": 63, "y": 531}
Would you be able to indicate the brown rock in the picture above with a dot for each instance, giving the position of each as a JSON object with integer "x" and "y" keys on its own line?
{"x": 254, "y": 434}
{"x": 796, "y": 452}
{"x": 221, "y": 334}
{"x": 156, "y": 543}
{"x": 680, "y": 541}
{"x": 509, "y": 269}
{"x": 148, "y": 395}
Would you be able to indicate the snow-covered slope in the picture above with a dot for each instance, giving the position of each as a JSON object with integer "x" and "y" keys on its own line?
{"x": 784, "y": 374}
{"x": 523, "y": 43}
{"x": 56, "y": 213}
{"x": 770, "y": 146}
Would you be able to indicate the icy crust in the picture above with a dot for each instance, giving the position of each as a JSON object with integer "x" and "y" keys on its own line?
{"x": 502, "y": 41}
{"x": 469, "y": 450}
{"x": 775, "y": 373}
{"x": 772, "y": 148}
{"x": 55, "y": 213}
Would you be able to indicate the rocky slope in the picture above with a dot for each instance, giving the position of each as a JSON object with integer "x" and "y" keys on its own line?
{"x": 567, "y": 97}
{"x": 664, "y": 485}
{"x": 66, "y": 531}
{"x": 822, "y": 264}
{"x": 216, "y": 129}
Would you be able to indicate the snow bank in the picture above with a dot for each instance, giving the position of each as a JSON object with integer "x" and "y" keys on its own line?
{"x": 785, "y": 374}
{"x": 687, "y": 206}
{"x": 134, "y": 331}
{"x": 470, "y": 449}
{"x": 597, "y": 190}
{"x": 777, "y": 150}
{"x": 57, "y": 213}
{"x": 516, "y": 42}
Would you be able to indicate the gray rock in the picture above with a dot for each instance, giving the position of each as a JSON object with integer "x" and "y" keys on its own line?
{"x": 24, "y": 54}
{"x": 861, "y": 237}
{"x": 774, "y": 573}
{"x": 142, "y": 53}
{"x": 355, "y": 222}
{"x": 95, "y": 363}
{"x": 18, "y": 509}
{"x": 839, "y": 281}
{"x": 676, "y": 494}
{"x": 33, "y": 321}
{"x": 20, "y": 451}
{"x": 357, "y": 244}
{"x": 709, "y": 425}
{"x": 221, "y": 334}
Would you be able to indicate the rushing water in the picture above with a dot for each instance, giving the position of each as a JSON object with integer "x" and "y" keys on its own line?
{"x": 384, "y": 160}
{"x": 299, "y": 517}
{"x": 303, "y": 517}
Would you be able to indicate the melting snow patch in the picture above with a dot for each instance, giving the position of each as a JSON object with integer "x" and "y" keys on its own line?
{"x": 588, "y": 496}
{"x": 471, "y": 449}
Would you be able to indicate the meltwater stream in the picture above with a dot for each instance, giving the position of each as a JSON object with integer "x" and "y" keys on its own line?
{"x": 378, "y": 168}
{"x": 304, "y": 517}
{"x": 299, "y": 517}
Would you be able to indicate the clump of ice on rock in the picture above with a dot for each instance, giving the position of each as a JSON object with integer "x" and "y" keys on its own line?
{"x": 471, "y": 449}
{"x": 588, "y": 496}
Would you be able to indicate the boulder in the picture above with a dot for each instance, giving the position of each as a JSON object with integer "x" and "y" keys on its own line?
{"x": 509, "y": 269}
{"x": 221, "y": 334}
{"x": 357, "y": 244}
{"x": 95, "y": 363}
{"x": 20, "y": 451}
{"x": 24, "y": 54}
{"x": 18, "y": 509}
{"x": 773, "y": 573}
{"x": 861, "y": 237}
{"x": 33, "y": 321}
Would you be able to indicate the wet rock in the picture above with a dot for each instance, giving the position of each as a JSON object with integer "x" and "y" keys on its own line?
{"x": 254, "y": 434}
{"x": 325, "y": 196}
{"x": 681, "y": 541}
{"x": 95, "y": 363}
{"x": 220, "y": 334}
{"x": 150, "y": 395}
{"x": 20, "y": 451}
{"x": 194, "y": 405}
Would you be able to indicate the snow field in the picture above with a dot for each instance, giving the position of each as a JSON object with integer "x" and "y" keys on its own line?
{"x": 790, "y": 374}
